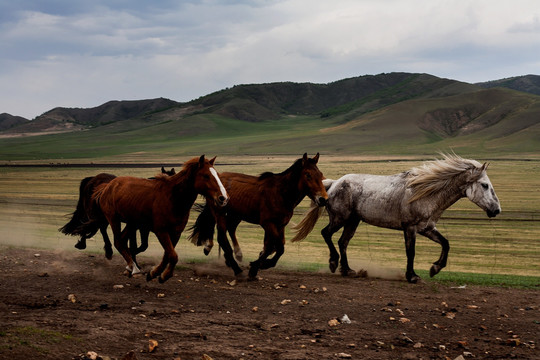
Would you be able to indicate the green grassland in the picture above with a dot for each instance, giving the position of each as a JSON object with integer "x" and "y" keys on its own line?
{"x": 34, "y": 203}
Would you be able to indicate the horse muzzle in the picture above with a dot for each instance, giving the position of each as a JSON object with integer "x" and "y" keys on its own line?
{"x": 321, "y": 201}
{"x": 222, "y": 200}
{"x": 493, "y": 213}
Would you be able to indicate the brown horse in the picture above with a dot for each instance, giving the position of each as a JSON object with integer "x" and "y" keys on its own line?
{"x": 267, "y": 200}
{"x": 161, "y": 206}
{"x": 85, "y": 211}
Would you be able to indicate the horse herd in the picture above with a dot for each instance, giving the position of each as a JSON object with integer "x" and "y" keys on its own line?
{"x": 411, "y": 201}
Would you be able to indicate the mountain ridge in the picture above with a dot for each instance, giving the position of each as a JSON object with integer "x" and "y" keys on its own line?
{"x": 393, "y": 112}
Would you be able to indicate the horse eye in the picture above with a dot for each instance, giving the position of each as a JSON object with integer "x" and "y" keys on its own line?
{"x": 308, "y": 176}
{"x": 206, "y": 176}
{"x": 485, "y": 186}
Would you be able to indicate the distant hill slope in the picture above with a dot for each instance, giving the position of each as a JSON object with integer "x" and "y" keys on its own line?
{"x": 259, "y": 102}
{"x": 527, "y": 83}
{"x": 395, "y": 113}
{"x": 69, "y": 119}
{"x": 8, "y": 121}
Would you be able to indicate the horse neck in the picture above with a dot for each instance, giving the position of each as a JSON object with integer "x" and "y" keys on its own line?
{"x": 288, "y": 182}
{"x": 182, "y": 187}
{"x": 449, "y": 196}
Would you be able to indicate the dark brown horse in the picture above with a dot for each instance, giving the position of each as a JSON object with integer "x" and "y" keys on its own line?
{"x": 161, "y": 206}
{"x": 85, "y": 211}
{"x": 267, "y": 200}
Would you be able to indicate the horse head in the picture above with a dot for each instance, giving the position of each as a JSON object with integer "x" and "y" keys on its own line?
{"x": 311, "y": 180}
{"x": 480, "y": 191}
{"x": 208, "y": 183}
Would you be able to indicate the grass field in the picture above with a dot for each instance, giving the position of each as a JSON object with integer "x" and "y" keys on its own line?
{"x": 34, "y": 203}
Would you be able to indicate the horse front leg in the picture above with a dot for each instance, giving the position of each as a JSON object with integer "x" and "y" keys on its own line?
{"x": 327, "y": 233}
{"x": 231, "y": 228}
{"x": 166, "y": 267}
{"x": 343, "y": 242}
{"x": 276, "y": 240}
{"x": 410, "y": 244}
{"x": 120, "y": 243}
{"x": 436, "y": 236}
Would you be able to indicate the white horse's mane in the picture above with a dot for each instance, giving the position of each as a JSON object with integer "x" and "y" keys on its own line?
{"x": 434, "y": 176}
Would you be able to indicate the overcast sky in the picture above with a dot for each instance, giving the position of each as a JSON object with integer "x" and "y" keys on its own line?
{"x": 73, "y": 53}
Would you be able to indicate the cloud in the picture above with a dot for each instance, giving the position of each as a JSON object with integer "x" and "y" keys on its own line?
{"x": 80, "y": 54}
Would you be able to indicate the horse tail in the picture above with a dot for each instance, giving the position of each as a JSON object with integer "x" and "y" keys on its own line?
{"x": 308, "y": 222}
{"x": 79, "y": 216}
{"x": 203, "y": 229}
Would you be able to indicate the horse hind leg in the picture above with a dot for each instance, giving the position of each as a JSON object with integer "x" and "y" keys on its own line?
{"x": 208, "y": 245}
{"x": 348, "y": 232}
{"x": 436, "y": 236}
{"x": 81, "y": 244}
{"x": 327, "y": 233}
{"x": 108, "y": 246}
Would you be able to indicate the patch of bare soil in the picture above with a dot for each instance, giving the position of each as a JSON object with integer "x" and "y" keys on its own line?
{"x": 66, "y": 305}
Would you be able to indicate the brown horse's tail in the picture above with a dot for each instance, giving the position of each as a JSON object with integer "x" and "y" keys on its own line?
{"x": 304, "y": 227}
{"x": 79, "y": 216}
{"x": 203, "y": 229}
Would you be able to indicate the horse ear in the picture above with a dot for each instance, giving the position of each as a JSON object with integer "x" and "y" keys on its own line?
{"x": 304, "y": 158}
{"x": 163, "y": 170}
{"x": 316, "y": 158}
{"x": 212, "y": 160}
{"x": 485, "y": 166}
{"x": 201, "y": 161}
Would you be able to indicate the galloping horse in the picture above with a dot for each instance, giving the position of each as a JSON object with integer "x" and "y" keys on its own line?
{"x": 412, "y": 201}
{"x": 85, "y": 211}
{"x": 267, "y": 200}
{"x": 161, "y": 206}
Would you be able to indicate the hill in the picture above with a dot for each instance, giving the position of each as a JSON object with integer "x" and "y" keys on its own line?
{"x": 395, "y": 113}
{"x": 8, "y": 121}
{"x": 71, "y": 119}
{"x": 528, "y": 83}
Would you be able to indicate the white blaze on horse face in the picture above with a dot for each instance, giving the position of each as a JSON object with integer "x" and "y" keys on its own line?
{"x": 482, "y": 194}
{"x": 221, "y": 187}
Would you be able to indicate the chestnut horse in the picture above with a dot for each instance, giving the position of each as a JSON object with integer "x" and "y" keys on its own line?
{"x": 161, "y": 206}
{"x": 267, "y": 200}
{"x": 85, "y": 211}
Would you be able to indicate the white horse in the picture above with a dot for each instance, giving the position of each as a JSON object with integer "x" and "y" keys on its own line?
{"x": 411, "y": 201}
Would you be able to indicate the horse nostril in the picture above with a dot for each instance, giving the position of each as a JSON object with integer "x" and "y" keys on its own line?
{"x": 322, "y": 201}
{"x": 497, "y": 212}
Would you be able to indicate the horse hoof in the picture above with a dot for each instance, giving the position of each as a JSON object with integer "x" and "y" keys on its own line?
{"x": 206, "y": 252}
{"x": 80, "y": 246}
{"x": 414, "y": 279}
{"x": 149, "y": 277}
{"x": 333, "y": 266}
{"x": 435, "y": 269}
{"x": 348, "y": 272}
{"x": 108, "y": 254}
{"x": 161, "y": 280}
{"x": 241, "y": 276}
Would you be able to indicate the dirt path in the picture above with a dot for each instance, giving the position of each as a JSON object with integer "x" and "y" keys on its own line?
{"x": 59, "y": 305}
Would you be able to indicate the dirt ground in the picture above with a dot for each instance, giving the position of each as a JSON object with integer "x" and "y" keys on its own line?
{"x": 75, "y": 305}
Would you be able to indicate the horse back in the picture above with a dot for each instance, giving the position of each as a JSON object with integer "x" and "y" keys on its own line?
{"x": 130, "y": 199}
{"x": 253, "y": 199}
